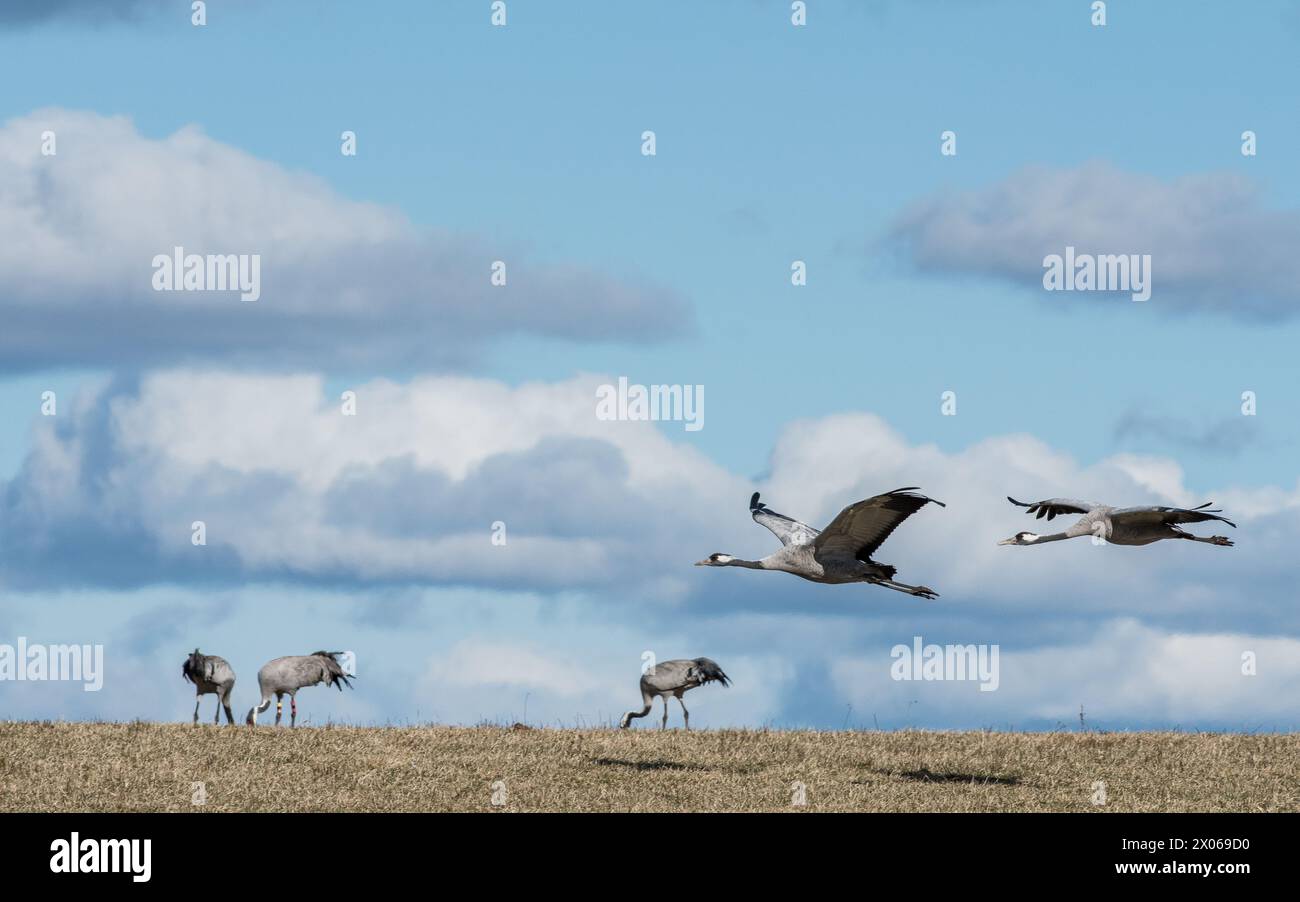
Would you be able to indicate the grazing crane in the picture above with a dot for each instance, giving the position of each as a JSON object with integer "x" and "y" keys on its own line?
{"x": 840, "y": 553}
{"x": 285, "y": 676}
{"x": 1119, "y": 525}
{"x": 674, "y": 678}
{"x": 210, "y": 673}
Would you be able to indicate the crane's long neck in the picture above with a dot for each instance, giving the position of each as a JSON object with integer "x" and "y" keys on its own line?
{"x": 1054, "y": 537}
{"x": 752, "y": 565}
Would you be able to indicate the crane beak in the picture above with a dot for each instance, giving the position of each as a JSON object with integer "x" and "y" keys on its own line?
{"x": 703, "y": 563}
{"x": 1010, "y": 541}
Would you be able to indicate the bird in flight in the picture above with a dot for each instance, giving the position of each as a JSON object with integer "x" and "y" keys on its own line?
{"x": 840, "y": 553}
{"x": 1119, "y": 525}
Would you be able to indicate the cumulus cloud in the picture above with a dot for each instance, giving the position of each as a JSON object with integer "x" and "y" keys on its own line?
{"x": 1121, "y": 671}
{"x": 342, "y": 283}
{"x": 405, "y": 490}
{"x": 1214, "y": 244}
{"x": 408, "y": 489}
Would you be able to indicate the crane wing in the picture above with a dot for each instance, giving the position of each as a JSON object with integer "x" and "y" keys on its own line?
{"x": 1055, "y": 507}
{"x": 787, "y": 529}
{"x": 861, "y": 528}
{"x": 1138, "y": 516}
{"x": 666, "y": 676}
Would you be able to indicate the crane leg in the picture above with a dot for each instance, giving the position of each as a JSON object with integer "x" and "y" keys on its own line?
{"x": 686, "y": 715}
{"x": 225, "y": 702}
{"x": 279, "y": 707}
{"x": 293, "y": 710}
{"x": 664, "y": 725}
{"x": 1213, "y": 540}
{"x": 919, "y": 591}
{"x": 216, "y": 715}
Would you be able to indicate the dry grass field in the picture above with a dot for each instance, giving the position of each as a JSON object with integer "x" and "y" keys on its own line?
{"x": 152, "y": 767}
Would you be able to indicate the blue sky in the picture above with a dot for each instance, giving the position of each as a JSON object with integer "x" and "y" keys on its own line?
{"x": 774, "y": 143}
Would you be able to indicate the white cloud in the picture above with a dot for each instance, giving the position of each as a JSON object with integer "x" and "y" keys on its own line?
{"x": 343, "y": 282}
{"x": 1213, "y": 243}
{"x": 408, "y": 488}
{"x": 1121, "y": 672}
{"x": 287, "y": 484}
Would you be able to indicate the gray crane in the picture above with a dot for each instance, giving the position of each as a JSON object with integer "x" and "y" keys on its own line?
{"x": 840, "y": 553}
{"x": 1119, "y": 525}
{"x": 674, "y": 678}
{"x": 285, "y": 676}
{"x": 210, "y": 674}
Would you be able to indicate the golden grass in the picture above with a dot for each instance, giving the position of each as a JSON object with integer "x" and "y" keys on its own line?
{"x": 152, "y": 767}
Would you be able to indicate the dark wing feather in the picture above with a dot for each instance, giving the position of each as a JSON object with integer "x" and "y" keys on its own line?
{"x": 193, "y": 667}
{"x": 333, "y": 674}
{"x": 708, "y": 671}
{"x": 789, "y": 530}
{"x": 861, "y": 528}
{"x": 1055, "y": 507}
{"x": 1170, "y": 515}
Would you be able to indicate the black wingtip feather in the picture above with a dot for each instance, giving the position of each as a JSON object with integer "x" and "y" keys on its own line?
{"x": 915, "y": 488}
{"x": 710, "y": 672}
{"x": 753, "y": 502}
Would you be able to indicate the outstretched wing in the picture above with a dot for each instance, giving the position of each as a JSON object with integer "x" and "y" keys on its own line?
{"x": 861, "y": 528}
{"x": 787, "y": 529}
{"x": 1055, "y": 507}
{"x": 1143, "y": 516}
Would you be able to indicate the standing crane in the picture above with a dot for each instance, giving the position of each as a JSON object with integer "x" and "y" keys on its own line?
{"x": 210, "y": 674}
{"x": 285, "y": 676}
{"x": 674, "y": 678}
